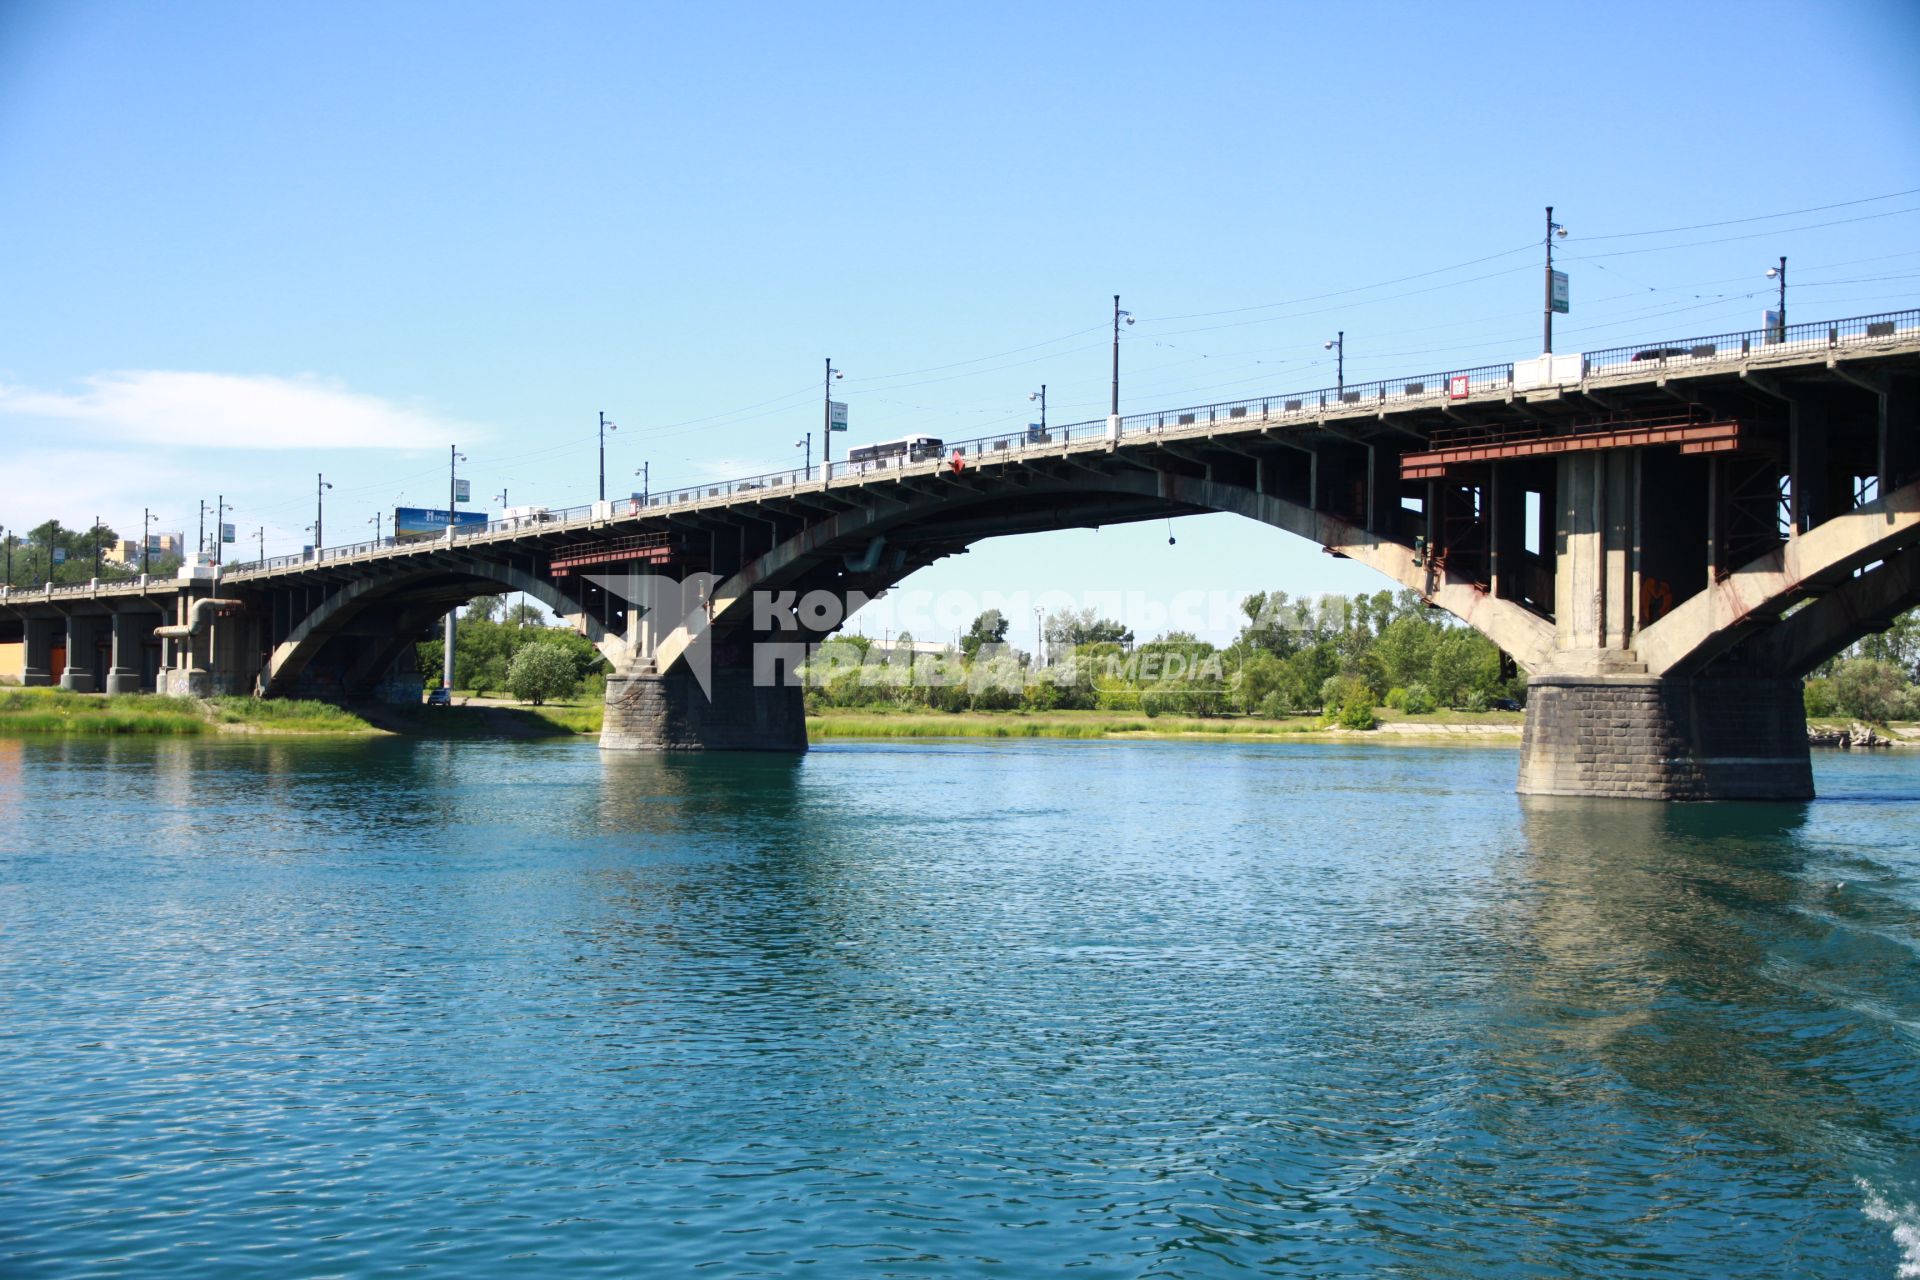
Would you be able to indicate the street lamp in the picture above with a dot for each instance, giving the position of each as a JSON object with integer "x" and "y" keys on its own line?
{"x": 605, "y": 427}
{"x": 1780, "y": 316}
{"x": 826, "y": 409}
{"x": 1039, "y": 639}
{"x": 644, "y": 471}
{"x": 805, "y": 443}
{"x": 375, "y": 522}
{"x": 96, "y": 547}
{"x": 1041, "y": 396}
{"x": 454, "y": 457}
{"x": 219, "y": 526}
{"x": 319, "y": 510}
{"x": 146, "y": 540}
{"x": 1338, "y": 345}
{"x": 1118, "y": 316}
{"x": 1553, "y": 229}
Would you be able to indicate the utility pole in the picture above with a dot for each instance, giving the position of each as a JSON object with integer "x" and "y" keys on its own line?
{"x": 319, "y": 511}
{"x": 263, "y": 545}
{"x": 605, "y": 427}
{"x": 203, "y": 526}
{"x": 1780, "y": 315}
{"x": 454, "y": 457}
{"x": 1115, "y": 408}
{"x": 644, "y": 471}
{"x": 1553, "y": 229}
{"x": 146, "y": 543}
{"x": 1041, "y": 396}
{"x": 219, "y": 527}
{"x": 826, "y": 412}
{"x": 96, "y": 547}
{"x": 1338, "y": 345}
{"x": 376, "y": 528}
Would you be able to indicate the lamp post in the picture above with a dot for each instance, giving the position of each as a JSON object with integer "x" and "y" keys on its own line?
{"x": 805, "y": 445}
{"x": 1041, "y": 396}
{"x": 1780, "y": 315}
{"x": 202, "y": 535}
{"x": 219, "y": 527}
{"x": 645, "y": 472}
{"x": 375, "y": 522}
{"x": 146, "y": 542}
{"x": 826, "y": 411}
{"x": 454, "y": 457}
{"x": 1553, "y": 229}
{"x": 1118, "y": 316}
{"x": 1039, "y": 639}
{"x": 319, "y": 511}
{"x": 263, "y": 546}
{"x": 1338, "y": 345}
{"x": 605, "y": 427}
{"x": 96, "y": 547}
{"x": 7, "y": 539}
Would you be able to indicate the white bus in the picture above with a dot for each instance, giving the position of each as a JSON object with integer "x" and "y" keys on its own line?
{"x": 893, "y": 452}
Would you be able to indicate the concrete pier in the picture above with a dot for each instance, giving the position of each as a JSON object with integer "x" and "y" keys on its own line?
{"x": 671, "y": 713}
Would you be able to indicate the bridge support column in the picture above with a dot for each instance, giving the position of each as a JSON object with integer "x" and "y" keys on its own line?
{"x": 647, "y": 712}
{"x": 124, "y": 671}
{"x": 78, "y": 677}
{"x": 1704, "y": 737}
{"x": 37, "y": 668}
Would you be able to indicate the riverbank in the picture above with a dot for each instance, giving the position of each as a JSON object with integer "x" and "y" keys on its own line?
{"x": 57, "y": 711}
{"x": 1492, "y": 726}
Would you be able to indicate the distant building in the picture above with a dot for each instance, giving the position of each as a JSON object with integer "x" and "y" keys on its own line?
{"x": 126, "y": 551}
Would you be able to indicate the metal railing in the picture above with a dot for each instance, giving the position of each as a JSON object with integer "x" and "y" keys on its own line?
{"x": 1286, "y": 408}
{"x": 1821, "y": 335}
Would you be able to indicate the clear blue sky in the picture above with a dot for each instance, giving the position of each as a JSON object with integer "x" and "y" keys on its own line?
{"x": 246, "y": 243}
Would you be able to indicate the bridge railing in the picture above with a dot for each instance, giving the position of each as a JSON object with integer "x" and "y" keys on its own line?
{"x": 1297, "y": 406}
{"x": 1820, "y": 335}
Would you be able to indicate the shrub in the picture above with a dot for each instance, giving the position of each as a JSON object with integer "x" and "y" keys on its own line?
{"x": 1420, "y": 701}
{"x": 1357, "y": 712}
{"x": 1274, "y": 707}
{"x": 540, "y": 671}
{"x": 1396, "y": 699}
{"x": 1819, "y": 698}
{"x": 1477, "y": 701}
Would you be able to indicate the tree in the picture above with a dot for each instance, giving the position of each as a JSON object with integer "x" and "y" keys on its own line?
{"x": 1071, "y": 628}
{"x": 989, "y": 628}
{"x": 540, "y": 671}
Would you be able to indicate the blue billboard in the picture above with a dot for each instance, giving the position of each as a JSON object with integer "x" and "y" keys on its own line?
{"x": 429, "y": 522}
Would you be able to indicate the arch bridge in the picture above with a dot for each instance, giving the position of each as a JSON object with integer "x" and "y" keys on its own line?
{"x": 1665, "y": 537}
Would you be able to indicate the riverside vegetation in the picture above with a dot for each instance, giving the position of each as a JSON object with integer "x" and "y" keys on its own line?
{"x": 1297, "y": 666}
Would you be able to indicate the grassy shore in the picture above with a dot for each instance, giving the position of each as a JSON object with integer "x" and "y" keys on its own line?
{"x": 58, "y": 711}
{"x": 1107, "y": 724}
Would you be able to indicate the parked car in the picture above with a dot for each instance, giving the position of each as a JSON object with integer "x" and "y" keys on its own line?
{"x": 441, "y": 697}
{"x": 1504, "y": 704}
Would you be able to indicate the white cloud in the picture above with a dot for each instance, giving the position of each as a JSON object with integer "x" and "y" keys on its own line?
{"x": 231, "y": 411}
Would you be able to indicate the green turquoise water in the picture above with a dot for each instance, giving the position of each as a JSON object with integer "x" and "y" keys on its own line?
{"x": 946, "y": 1009}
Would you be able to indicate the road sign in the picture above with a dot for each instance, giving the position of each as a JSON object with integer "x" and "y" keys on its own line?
{"x": 1559, "y": 296}
{"x": 1459, "y": 386}
{"x": 226, "y": 533}
{"x": 462, "y": 491}
{"x": 836, "y": 415}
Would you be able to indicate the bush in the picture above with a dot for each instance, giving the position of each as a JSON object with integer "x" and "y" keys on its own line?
{"x": 1477, "y": 701}
{"x": 1396, "y": 699}
{"x": 1274, "y": 707}
{"x": 1357, "y": 712}
{"x": 1420, "y": 701}
{"x": 1819, "y": 698}
{"x": 540, "y": 671}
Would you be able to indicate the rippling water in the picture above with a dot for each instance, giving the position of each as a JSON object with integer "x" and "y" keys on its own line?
{"x": 946, "y": 1009}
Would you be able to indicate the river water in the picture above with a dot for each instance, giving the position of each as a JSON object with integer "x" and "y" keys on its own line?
{"x": 946, "y": 1009}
